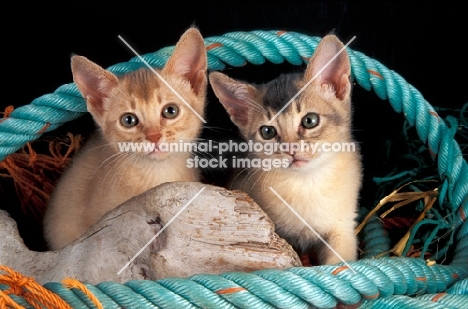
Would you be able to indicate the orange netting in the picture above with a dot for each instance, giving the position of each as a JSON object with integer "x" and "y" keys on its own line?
{"x": 34, "y": 174}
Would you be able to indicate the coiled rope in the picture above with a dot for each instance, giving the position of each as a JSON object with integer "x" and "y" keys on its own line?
{"x": 379, "y": 283}
{"x": 384, "y": 282}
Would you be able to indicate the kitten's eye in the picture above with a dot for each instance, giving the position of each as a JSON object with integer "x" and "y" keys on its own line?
{"x": 170, "y": 111}
{"x": 129, "y": 120}
{"x": 311, "y": 120}
{"x": 268, "y": 132}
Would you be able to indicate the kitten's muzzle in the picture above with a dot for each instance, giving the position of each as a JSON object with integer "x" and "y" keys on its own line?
{"x": 157, "y": 154}
{"x": 296, "y": 160}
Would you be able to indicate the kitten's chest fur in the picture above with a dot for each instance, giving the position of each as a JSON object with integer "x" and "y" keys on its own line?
{"x": 105, "y": 179}
{"x": 325, "y": 197}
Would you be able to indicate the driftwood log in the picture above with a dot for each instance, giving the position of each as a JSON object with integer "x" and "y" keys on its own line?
{"x": 218, "y": 231}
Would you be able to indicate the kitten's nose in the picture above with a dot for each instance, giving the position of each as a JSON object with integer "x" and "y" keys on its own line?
{"x": 154, "y": 137}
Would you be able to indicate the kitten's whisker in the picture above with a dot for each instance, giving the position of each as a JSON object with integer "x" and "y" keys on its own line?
{"x": 263, "y": 183}
{"x": 210, "y": 169}
{"x": 115, "y": 169}
{"x": 271, "y": 172}
{"x": 263, "y": 172}
{"x": 216, "y": 129}
{"x": 254, "y": 171}
{"x": 244, "y": 179}
{"x": 135, "y": 189}
{"x": 133, "y": 160}
{"x": 101, "y": 146}
{"x": 265, "y": 175}
{"x": 112, "y": 158}
{"x": 239, "y": 173}
{"x": 123, "y": 157}
{"x": 104, "y": 165}
{"x": 124, "y": 166}
{"x": 205, "y": 155}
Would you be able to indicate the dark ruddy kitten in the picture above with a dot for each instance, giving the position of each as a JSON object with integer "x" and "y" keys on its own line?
{"x": 322, "y": 185}
{"x": 135, "y": 107}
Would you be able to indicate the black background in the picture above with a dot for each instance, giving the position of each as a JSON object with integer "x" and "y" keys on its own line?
{"x": 424, "y": 43}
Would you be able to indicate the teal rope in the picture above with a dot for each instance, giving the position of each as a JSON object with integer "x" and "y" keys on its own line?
{"x": 461, "y": 287}
{"x": 461, "y": 250}
{"x": 376, "y": 240}
{"x": 384, "y": 282}
{"x": 377, "y": 282}
{"x": 405, "y": 302}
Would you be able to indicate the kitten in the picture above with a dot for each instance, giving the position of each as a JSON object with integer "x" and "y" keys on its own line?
{"x": 322, "y": 187}
{"x": 135, "y": 107}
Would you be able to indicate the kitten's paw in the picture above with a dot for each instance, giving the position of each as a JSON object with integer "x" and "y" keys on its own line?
{"x": 344, "y": 246}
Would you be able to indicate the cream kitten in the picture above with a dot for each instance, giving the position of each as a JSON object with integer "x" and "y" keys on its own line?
{"x": 322, "y": 187}
{"x": 135, "y": 107}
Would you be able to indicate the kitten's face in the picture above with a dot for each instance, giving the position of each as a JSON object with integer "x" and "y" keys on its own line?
{"x": 143, "y": 110}
{"x": 313, "y": 118}
{"x": 320, "y": 114}
{"x": 140, "y": 107}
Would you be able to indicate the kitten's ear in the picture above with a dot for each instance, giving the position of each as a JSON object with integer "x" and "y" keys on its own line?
{"x": 189, "y": 60}
{"x": 93, "y": 82}
{"x": 337, "y": 73}
{"x": 237, "y": 97}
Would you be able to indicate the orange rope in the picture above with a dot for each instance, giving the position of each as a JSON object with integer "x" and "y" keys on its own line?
{"x": 7, "y": 302}
{"x": 31, "y": 291}
{"x": 71, "y": 283}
